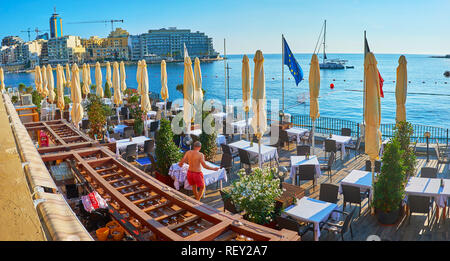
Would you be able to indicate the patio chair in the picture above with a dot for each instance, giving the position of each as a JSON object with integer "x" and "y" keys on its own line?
{"x": 246, "y": 159}
{"x": 228, "y": 203}
{"x": 307, "y": 138}
{"x": 429, "y": 172}
{"x": 377, "y": 166}
{"x": 227, "y": 150}
{"x": 305, "y": 172}
{"x": 85, "y": 124}
{"x": 130, "y": 152}
{"x": 168, "y": 106}
{"x": 346, "y": 132}
{"x": 114, "y": 120}
{"x": 442, "y": 158}
{"x": 153, "y": 127}
{"x": 419, "y": 204}
{"x": 124, "y": 113}
{"x": 342, "y": 226}
{"x": 284, "y": 138}
{"x": 227, "y": 163}
{"x": 302, "y": 150}
{"x": 330, "y": 146}
{"x": 355, "y": 147}
{"x": 293, "y": 225}
{"x": 149, "y": 147}
{"x": 128, "y": 132}
{"x": 353, "y": 195}
{"x": 329, "y": 165}
{"x": 329, "y": 192}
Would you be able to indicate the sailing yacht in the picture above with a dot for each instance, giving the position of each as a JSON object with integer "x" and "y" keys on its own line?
{"x": 332, "y": 64}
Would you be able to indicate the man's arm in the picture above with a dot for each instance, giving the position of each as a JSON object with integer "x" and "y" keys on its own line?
{"x": 183, "y": 159}
{"x": 202, "y": 161}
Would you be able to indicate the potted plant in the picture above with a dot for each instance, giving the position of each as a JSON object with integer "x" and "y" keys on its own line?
{"x": 389, "y": 188}
{"x": 256, "y": 193}
{"x": 167, "y": 153}
{"x": 136, "y": 114}
{"x": 97, "y": 112}
{"x": 14, "y": 99}
{"x": 209, "y": 145}
{"x": 107, "y": 93}
{"x": 403, "y": 133}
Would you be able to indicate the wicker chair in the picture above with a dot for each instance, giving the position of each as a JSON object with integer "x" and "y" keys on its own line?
{"x": 228, "y": 203}
{"x": 428, "y": 172}
{"x": 130, "y": 152}
{"x": 419, "y": 204}
{"x": 291, "y": 224}
{"x": 355, "y": 147}
{"x": 245, "y": 159}
{"x": 330, "y": 146}
{"x": 346, "y": 132}
{"x": 340, "y": 227}
{"x": 329, "y": 165}
{"x": 353, "y": 195}
{"x": 305, "y": 172}
{"x": 377, "y": 166}
{"x": 329, "y": 192}
{"x": 302, "y": 150}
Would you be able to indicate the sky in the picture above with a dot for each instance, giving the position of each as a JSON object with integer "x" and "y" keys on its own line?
{"x": 407, "y": 27}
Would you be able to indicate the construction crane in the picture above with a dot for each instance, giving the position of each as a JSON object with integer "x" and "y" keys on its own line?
{"x": 112, "y": 21}
{"x": 29, "y": 31}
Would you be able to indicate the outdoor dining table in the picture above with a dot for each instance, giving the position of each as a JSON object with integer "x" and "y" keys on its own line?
{"x": 122, "y": 144}
{"x": 311, "y": 211}
{"x": 268, "y": 153}
{"x": 179, "y": 175}
{"x": 119, "y": 128}
{"x": 220, "y": 139}
{"x": 430, "y": 187}
{"x": 151, "y": 113}
{"x": 240, "y": 125}
{"x": 297, "y": 132}
{"x": 301, "y": 160}
{"x": 358, "y": 178}
{"x": 341, "y": 141}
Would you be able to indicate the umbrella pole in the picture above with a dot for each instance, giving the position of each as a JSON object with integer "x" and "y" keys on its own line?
{"x": 372, "y": 209}
{"x": 259, "y": 153}
{"x": 313, "y": 133}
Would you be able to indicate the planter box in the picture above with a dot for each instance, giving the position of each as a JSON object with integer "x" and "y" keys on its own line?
{"x": 390, "y": 218}
{"x": 166, "y": 179}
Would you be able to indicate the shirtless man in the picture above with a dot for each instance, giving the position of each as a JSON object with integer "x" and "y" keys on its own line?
{"x": 195, "y": 159}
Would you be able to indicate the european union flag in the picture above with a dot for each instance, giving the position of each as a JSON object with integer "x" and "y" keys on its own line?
{"x": 293, "y": 65}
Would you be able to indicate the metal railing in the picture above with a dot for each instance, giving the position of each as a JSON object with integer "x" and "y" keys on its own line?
{"x": 327, "y": 125}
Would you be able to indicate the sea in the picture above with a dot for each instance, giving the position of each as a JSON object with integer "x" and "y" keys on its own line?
{"x": 428, "y": 99}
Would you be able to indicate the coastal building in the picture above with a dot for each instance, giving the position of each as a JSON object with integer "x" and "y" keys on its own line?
{"x": 55, "y": 26}
{"x": 11, "y": 40}
{"x": 169, "y": 43}
{"x": 66, "y": 49}
{"x": 114, "y": 47}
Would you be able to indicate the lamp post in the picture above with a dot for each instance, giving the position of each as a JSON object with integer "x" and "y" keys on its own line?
{"x": 427, "y": 136}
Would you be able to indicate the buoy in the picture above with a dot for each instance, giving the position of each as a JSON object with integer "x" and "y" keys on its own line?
{"x": 409, "y": 81}
{"x": 423, "y": 82}
{"x": 360, "y": 80}
{"x": 332, "y": 86}
{"x": 334, "y": 80}
{"x": 344, "y": 80}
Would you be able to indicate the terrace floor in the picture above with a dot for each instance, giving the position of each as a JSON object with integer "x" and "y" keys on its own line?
{"x": 420, "y": 228}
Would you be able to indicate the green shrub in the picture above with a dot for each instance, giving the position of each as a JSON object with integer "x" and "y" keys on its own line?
{"x": 22, "y": 87}
{"x": 403, "y": 133}
{"x": 14, "y": 99}
{"x": 209, "y": 145}
{"x": 107, "y": 92}
{"x": 167, "y": 153}
{"x": 97, "y": 112}
{"x": 389, "y": 189}
{"x": 36, "y": 98}
{"x": 256, "y": 193}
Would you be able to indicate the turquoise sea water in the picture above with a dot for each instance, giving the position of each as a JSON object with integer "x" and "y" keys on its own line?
{"x": 428, "y": 100}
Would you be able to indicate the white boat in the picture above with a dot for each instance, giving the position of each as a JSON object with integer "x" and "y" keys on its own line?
{"x": 332, "y": 64}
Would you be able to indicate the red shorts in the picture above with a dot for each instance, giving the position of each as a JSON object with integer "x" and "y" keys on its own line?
{"x": 195, "y": 178}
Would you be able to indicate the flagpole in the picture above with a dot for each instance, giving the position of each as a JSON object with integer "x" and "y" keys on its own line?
{"x": 364, "y": 79}
{"x": 282, "y": 71}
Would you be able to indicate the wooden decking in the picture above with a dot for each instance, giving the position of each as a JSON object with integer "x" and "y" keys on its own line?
{"x": 420, "y": 227}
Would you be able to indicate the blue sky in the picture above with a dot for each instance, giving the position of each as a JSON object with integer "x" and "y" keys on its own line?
{"x": 416, "y": 27}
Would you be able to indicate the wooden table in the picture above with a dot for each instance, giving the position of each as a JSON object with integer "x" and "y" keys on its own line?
{"x": 289, "y": 193}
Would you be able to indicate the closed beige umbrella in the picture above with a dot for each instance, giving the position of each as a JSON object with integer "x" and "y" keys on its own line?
{"x": 188, "y": 92}
{"x": 50, "y": 84}
{"x": 98, "y": 80}
{"x": 123, "y": 77}
{"x": 372, "y": 113}
{"x": 89, "y": 75}
{"x": 44, "y": 92}
{"x": 60, "y": 88}
{"x": 145, "y": 101}
{"x": 198, "y": 93}
{"x": 38, "y": 79}
{"x": 2, "y": 80}
{"x": 67, "y": 75}
{"x": 164, "y": 89}
{"x": 77, "y": 109}
{"x": 138, "y": 77}
{"x": 259, "y": 120}
{"x": 246, "y": 86}
{"x": 85, "y": 76}
{"x": 314, "y": 89}
{"x": 116, "y": 85}
{"x": 108, "y": 74}
{"x": 401, "y": 89}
